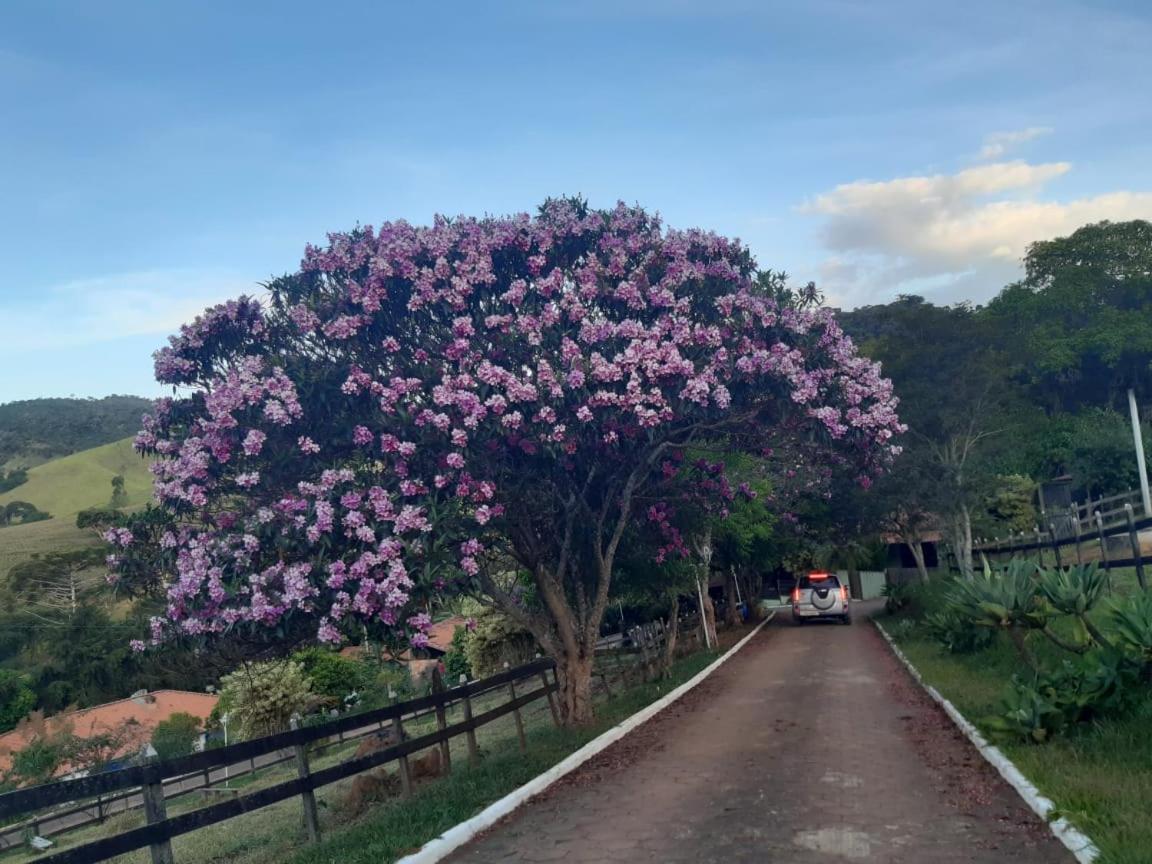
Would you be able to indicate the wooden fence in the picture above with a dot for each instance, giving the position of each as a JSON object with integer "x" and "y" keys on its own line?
{"x": 148, "y": 780}
{"x": 1109, "y": 536}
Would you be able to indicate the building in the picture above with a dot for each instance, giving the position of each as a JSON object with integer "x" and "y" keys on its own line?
{"x": 133, "y": 720}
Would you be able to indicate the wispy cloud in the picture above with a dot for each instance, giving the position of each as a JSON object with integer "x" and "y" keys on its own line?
{"x": 997, "y": 144}
{"x": 957, "y": 236}
{"x": 109, "y": 308}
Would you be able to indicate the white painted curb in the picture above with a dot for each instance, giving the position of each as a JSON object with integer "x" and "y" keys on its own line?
{"x": 1079, "y": 844}
{"x": 456, "y": 836}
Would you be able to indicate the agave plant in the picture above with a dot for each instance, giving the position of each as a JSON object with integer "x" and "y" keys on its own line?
{"x": 1005, "y": 600}
{"x": 1076, "y": 591}
{"x": 1027, "y": 714}
{"x": 1131, "y": 627}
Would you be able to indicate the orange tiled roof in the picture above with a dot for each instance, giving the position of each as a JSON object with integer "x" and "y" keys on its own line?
{"x": 147, "y": 711}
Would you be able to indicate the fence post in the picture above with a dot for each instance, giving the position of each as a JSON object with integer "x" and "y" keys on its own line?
{"x": 405, "y": 776}
{"x": 1055, "y": 545}
{"x": 155, "y": 811}
{"x": 1104, "y": 549}
{"x": 551, "y": 697}
{"x": 1076, "y": 528}
{"x": 441, "y": 719}
{"x": 516, "y": 714}
{"x": 473, "y": 750}
{"x": 1137, "y": 553}
{"x": 1039, "y": 547}
{"x": 307, "y": 795}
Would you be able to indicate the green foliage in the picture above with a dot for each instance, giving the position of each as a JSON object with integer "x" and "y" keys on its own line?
{"x": 21, "y": 513}
{"x": 98, "y": 517}
{"x": 119, "y": 493}
{"x": 1009, "y": 506}
{"x": 260, "y": 698}
{"x": 175, "y": 736}
{"x": 333, "y": 676}
{"x": 1131, "y": 627}
{"x": 1075, "y": 590}
{"x": 37, "y": 761}
{"x": 456, "y": 659}
{"x": 1005, "y": 599}
{"x": 497, "y": 640}
{"x": 897, "y": 596}
{"x": 9, "y": 480}
{"x": 1054, "y": 700}
{"x": 17, "y": 699}
{"x": 956, "y": 633}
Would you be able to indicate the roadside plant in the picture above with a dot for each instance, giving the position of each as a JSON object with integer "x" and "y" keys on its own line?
{"x": 261, "y": 698}
{"x": 1130, "y": 626}
{"x": 1076, "y": 591}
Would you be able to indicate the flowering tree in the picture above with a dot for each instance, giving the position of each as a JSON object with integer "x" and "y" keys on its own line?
{"x": 418, "y": 402}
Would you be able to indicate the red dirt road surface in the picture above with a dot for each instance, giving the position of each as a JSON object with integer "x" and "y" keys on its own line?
{"x": 811, "y": 745}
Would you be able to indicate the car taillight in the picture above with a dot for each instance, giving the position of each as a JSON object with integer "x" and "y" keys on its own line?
{"x": 795, "y": 595}
{"x": 844, "y": 593}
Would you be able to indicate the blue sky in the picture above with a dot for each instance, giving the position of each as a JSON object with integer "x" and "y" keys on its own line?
{"x": 156, "y": 157}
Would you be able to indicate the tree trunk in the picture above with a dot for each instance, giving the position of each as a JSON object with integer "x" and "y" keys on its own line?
{"x": 918, "y": 554}
{"x": 575, "y": 702}
{"x": 731, "y": 612}
{"x": 708, "y": 619}
{"x": 960, "y": 530}
{"x": 671, "y": 631}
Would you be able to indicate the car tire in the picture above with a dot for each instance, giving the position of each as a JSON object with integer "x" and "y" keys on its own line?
{"x": 847, "y": 619}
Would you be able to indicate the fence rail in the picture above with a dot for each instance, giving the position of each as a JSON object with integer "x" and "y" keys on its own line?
{"x": 1087, "y": 541}
{"x": 148, "y": 780}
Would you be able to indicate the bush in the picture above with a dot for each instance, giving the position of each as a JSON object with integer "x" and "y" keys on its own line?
{"x": 897, "y": 597}
{"x": 175, "y": 736}
{"x": 456, "y": 660}
{"x": 17, "y": 699}
{"x": 261, "y": 698}
{"x": 497, "y": 640}
{"x": 334, "y": 677}
{"x": 957, "y": 633}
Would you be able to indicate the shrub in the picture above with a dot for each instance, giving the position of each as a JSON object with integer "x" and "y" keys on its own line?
{"x": 175, "y": 736}
{"x": 260, "y": 698}
{"x": 333, "y": 676}
{"x": 456, "y": 660}
{"x": 897, "y": 596}
{"x": 17, "y": 699}
{"x": 497, "y": 640}
{"x": 957, "y": 633}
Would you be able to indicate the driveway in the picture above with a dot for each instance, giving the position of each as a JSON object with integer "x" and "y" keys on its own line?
{"x": 812, "y": 744}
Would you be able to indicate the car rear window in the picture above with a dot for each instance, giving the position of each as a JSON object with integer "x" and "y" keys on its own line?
{"x": 828, "y": 581}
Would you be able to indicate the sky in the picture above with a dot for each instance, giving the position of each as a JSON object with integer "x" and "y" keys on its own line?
{"x": 159, "y": 157}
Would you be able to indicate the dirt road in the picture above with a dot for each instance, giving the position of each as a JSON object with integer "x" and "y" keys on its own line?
{"x": 810, "y": 745}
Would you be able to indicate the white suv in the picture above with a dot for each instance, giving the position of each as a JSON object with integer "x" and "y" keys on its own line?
{"x": 820, "y": 595}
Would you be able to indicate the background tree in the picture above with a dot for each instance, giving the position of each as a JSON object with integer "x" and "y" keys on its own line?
{"x": 17, "y": 699}
{"x": 175, "y": 736}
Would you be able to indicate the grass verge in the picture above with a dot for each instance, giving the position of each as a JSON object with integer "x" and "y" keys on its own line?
{"x": 1098, "y": 774}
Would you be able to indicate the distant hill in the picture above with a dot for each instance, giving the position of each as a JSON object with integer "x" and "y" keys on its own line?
{"x": 67, "y": 485}
{"x": 64, "y": 487}
{"x": 35, "y": 431}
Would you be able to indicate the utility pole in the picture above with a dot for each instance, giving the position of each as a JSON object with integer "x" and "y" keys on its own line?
{"x": 1138, "y": 438}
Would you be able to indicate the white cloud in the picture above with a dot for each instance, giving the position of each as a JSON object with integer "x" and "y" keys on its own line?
{"x": 108, "y": 308}
{"x": 996, "y": 144}
{"x": 950, "y": 233}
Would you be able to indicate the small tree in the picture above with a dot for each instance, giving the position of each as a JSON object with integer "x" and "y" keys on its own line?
{"x": 175, "y": 736}
{"x": 260, "y": 698}
{"x": 333, "y": 676}
{"x": 119, "y": 494}
{"x": 17, "y": 699}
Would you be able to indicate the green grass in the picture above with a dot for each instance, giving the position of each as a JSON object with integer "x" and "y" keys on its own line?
{"x": 65, "y": 486}
{"x": 20, "y": 542}
{"x": 1099, "y": 775}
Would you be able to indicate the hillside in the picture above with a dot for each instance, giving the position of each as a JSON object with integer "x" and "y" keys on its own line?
{"x": 67, "y": 485}
{"x": 35, "y": 431}
{"x": 64, "y": 487}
